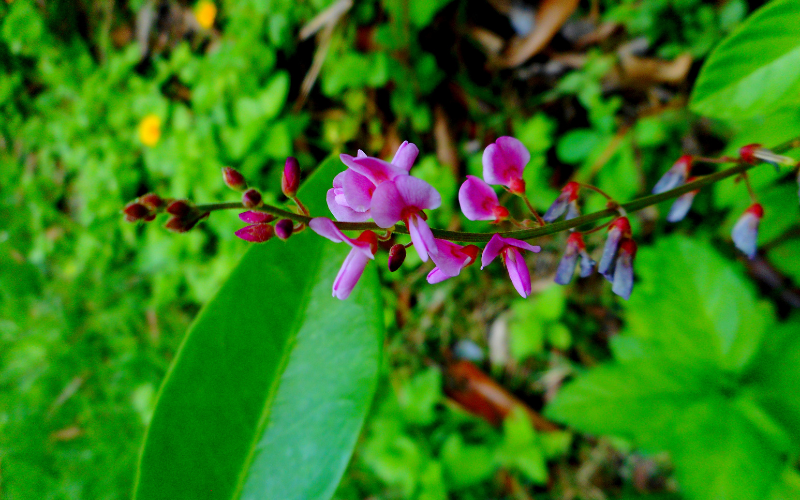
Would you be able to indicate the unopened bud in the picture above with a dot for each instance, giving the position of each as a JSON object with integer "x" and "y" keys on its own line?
{"x": 251, "y": 198}
{"x": 135, "y": 211}
{"x": 152, "y": 201}
{"x": 748, "y": 153}
{"x": 284, "y": 228}
{"x": 397, "y": 255}
{"x": 257, "y": 233}
{"x": 256, "y": 217}
{"x": 291, "y": 177}
{"x": 180, "y": 208}
{"x": 234, "y": 179}
{"x": 178, "y": 224}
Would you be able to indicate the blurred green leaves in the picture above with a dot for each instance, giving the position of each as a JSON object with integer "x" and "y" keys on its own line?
{"x": 691, "y": 374}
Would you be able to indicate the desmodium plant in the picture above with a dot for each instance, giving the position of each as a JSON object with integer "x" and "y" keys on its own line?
{"x": 387, "y": 193}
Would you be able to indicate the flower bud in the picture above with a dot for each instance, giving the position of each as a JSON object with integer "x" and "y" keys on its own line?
{"x": 256, "y": 233}
{"x": 567, "y": 202}
{"x": 291, "y": 177}
{"x": 748, "y": 153}
{"x": 397, "y": 255}
{"x": 251, "y": 198}
{"x": 178, "y": 224}
{"x": 284, "y": 228}
{"x": 675, "y": 176}
{"x": 252, "y": 217}
{"x": 234, "y": 179}
{"x": 135, "y": 211}
{"x": 180, "y": 208}
{"x": 152, "y": 201}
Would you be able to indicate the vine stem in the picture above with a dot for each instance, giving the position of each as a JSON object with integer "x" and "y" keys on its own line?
{"x": 527, "y": 234}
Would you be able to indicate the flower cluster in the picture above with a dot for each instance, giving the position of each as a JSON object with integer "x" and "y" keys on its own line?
{"x": 387, "y": 193}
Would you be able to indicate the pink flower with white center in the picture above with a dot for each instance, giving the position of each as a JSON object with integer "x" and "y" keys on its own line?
{"x": 503, "y": 163}
{"x": 259, "y": 229}
{"x": 363, "y": 250}
{"x": 680, "y": 207}
{"x": 567, "y": 201}
{"x": 566, "y": 268}
{"x": 675, "y": 176}
{"x": 450, "y": 260}
{"x": 622, "y": 272}
{"x": 509, "y": 250}
{"x": 745, "y": 232}
{"x": 479, "y": 201}
{"x": 619, "y": 229}
{"x": 404, "y": 199}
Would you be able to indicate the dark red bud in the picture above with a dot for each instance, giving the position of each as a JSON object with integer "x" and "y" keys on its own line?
{"x": 135, "y": 211}
{"x": 757, "y": 210}
{"x": 284, "y": 228}
{"x": 517, "y": 186}
{"x": 179, "y": 224}
{"x": 180, "y": 208}
{"x": 371, "y": 238}
{"x": 748, "y": 153}
{"x": 152, "y": 201}
{"x": 251, "y": 198}
{"x": 234, "y": 179}
{"x": 291, "y": 177}
{"x": 397, "y": 255}
{"x": 472, "y": 251}
{"x": 256, "y": 233}
{"x": 149, "y": 218}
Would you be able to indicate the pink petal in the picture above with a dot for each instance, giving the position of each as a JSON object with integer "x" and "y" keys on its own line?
{"x": 417, "y": 193}
{"x": 422, "y": 237}
{"x": 339, "y": 179}
{"x": 437, "y": 276}
{"x": 518, "y": 271}
{"x": 387, "y": 205}
{"x": 492, "y": 250}
{"x": 504, "y": 161}
{"x": 374, "y": 169}
{"x": 361, "y": 154}
{"x": 357, "y": 190}
{"x": 449, "y": 259}
{"x": 327, "y": 229}
{"x": 477, "y": 199}
{"x": 344, "y": 213}
{"x": 252, "y": 217}
{"x": 405, "y": 156}
{"x": 351, "y": 270}
{"x": 255, "y": 233}
{"x": 521, "y": 244}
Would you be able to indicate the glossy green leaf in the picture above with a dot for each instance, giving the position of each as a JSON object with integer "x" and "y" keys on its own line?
{"x": 754, "y": 70}
{"x": 269, "y": 390}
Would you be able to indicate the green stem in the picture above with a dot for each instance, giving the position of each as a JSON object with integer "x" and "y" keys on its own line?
{"x": 528, "y": 234}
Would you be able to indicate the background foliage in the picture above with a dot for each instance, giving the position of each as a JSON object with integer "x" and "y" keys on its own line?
{"x": 687, "y": 391}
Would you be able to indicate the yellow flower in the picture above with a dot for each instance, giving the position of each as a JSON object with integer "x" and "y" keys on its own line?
{"x": 150, "y": 130}
{"x": 205, "y": 12}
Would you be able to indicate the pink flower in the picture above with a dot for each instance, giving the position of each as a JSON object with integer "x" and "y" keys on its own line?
{"x": 682, "y": 204}
{"x": 622, "y": 271}
{"x": 566, "y": 268}
{"x": 404, "y": 198}
{"x": 675, "y": 176}
{"x": 509, "y": 250}
{"x": 503, "y": 163}
{"x": 405, "y": 156}
{"x": 619, "y": 229}
{"x": 479, "y": 201}
{"x": 567, "y": 201}
{"x": 259, "y": 229}
{"x": 363, "y": 249}
{"x": 745, "y": 232}
{"x": 450, "y": 260}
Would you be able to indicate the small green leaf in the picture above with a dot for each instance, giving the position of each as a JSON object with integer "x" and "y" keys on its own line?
{"x": 418, "y": 397}
{"x": 520, "y": 449}
{"x": 269, "y": 390}
{"x": 754, "y": 70}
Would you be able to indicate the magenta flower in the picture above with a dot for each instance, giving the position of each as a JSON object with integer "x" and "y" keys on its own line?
{"x": 450, "y": 260}
{"x": 682, "y": 204}
{"x": 259, "y": 229}
{"x": 405, "y": 156}
{"x": 675, "y": 176}
{"x": 363, "y": 249}
{"x": 479, "y": 201}
{"x": 404, "y": 198}
{"x": 622, "y": 270}
{"x": 745, "y": 232}
{"x": 619, "y": 229}
{"x": 503, "y": 163}
{"x": 509, "y": 250}
{"x": 566, "y": 268}
{"x": 567, "y": 201}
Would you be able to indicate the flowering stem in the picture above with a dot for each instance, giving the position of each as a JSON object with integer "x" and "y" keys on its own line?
{"x": 533, "y": 210}
{"x": 596, "y": 190}
{"x": 528, "y": 234}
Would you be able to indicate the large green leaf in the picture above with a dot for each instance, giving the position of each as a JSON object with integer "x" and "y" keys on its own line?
{"x": 269, "y": 390}
{"x": 754, "y": 70}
